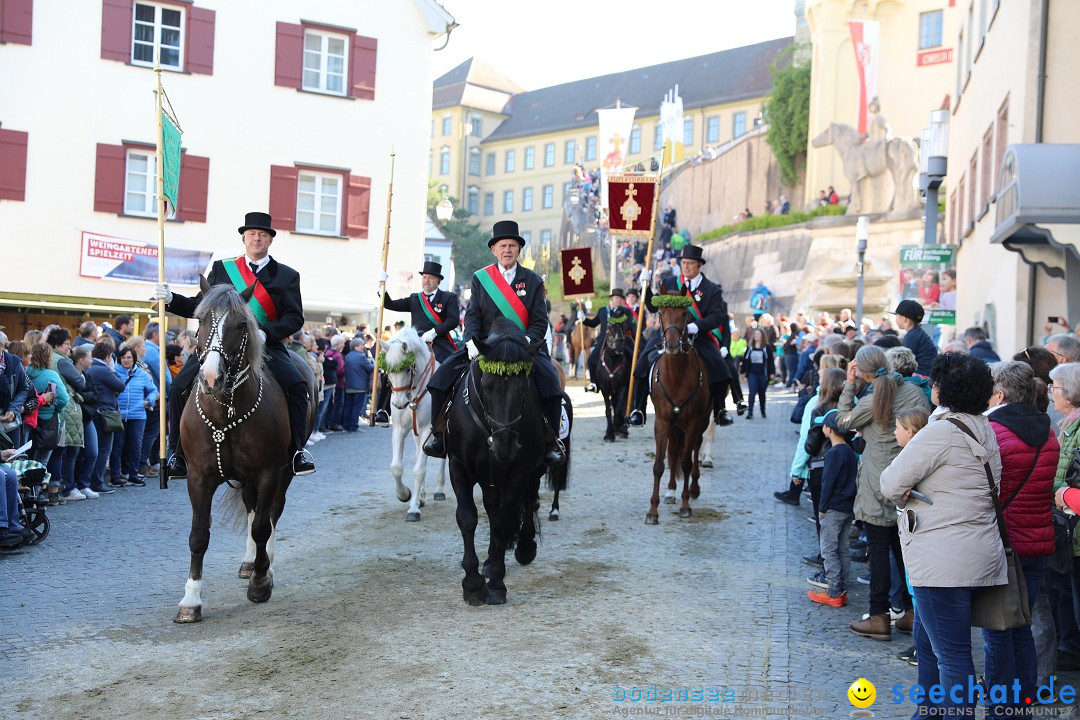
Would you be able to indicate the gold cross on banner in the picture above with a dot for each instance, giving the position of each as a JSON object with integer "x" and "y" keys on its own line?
{"x": 630, "y": 210}
{"x": 577, "y": 273}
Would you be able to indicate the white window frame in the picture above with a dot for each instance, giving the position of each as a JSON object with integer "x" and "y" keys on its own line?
{"x": 508, "y": 201}
{"x": 509, "y": 161}
{"x": 549, "y": 155}
{"x": 590, "y": 149}
{"x": 569, "y": 152}
{"x": 476, "y": 123}
{"x": 530, "y": 157}
{"x": 712, "y": 129}
{"x": 547, "y": 197}
{"x": 490, "y": 163}
{"x": 526, "y": 199}
{"x": 446, "y": 125}
{"x": 324, "y": 54}
{"x": 157, "y": 34}
{"x": 489, "y": 203}
{"x": 317, "y": 214}
{"x": 688, "y": 132}
{"x": 545, "y": 237}
{"x": 735, "y": 118}
{"x": 444, "y": 160}
{"x": 633, "y": 145}
{"x": 147, "y": 187}
{"x": 474, "y": 155}
{"x": 472, "y": 202}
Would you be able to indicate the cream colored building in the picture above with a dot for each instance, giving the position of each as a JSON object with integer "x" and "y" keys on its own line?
{"x": 287, "y": 109}
{"x": 1014, "y": 168}
{"x": 916, "y": 71}
{"x": 523, "y": 167}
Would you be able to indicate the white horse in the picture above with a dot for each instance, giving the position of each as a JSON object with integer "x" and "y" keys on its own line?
{"x": 410, "y": 412}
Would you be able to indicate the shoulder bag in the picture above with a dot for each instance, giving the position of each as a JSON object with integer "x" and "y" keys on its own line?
{"x": 1000, "y": 607}
{"x": 111, "y": 421}
{"x": 1061, "y": 561}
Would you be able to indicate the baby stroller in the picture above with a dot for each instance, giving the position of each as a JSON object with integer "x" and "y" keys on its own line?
{"x": 32, "y": 501}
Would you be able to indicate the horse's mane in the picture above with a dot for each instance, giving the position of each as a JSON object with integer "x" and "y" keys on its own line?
{"x": 403, "y": 342}
{"x": 507, "y": 343}
{"x": 225, "y": 299}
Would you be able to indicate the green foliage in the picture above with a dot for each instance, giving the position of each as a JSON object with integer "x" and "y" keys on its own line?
{"x": 618, "y": 319}
{"x": 673, "y": 301}
{"x": 404, "y": 365}
{"x": 788, "y": 111}
{"x": 764, "y": 222}
{"x": 500, "y": 367}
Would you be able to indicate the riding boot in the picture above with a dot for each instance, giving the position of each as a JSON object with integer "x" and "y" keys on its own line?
{"x": 382, "y": 413}
{"x": 591, "y": 387}
{"x": 177, "y": 467}
{"x": 434, "y": 445}
{"x": 297, "y": 397}
{"x": 553, "y": 447}
{"x": 641, "y": 397}
{"x": 719, "y": 398}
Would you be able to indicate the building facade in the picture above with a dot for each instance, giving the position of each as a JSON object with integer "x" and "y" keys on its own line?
{"x": 292, "y": 113}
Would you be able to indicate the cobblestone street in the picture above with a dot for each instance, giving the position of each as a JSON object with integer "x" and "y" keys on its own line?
{"x": 367, "y": 618}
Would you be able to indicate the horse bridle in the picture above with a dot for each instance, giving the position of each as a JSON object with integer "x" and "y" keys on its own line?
{"x": 684, "y": 341}
{"x": 415, "y": 385}
{"x": 487, "y": 425}
{"x": 611, "y": 342}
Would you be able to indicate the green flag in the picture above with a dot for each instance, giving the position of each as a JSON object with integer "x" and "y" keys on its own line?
{"x": 170, "y": 143}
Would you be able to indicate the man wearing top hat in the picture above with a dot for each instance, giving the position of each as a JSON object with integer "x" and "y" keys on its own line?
{"x": 708, "y": 328}
{"x": 506, "y": 245}
{"x": 434, "y": 312}
{"x": 614, "y": 310}
{"x": 284, "y": 316}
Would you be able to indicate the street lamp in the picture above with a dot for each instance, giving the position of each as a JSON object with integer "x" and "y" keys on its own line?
{"x": 444, "y": 209}
{"x": 862, "y": 233}
{"x": 933, "y": 163}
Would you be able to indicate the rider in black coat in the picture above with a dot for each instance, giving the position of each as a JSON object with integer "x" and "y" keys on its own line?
{"x": 709, "y": 327}
{"x": 615, "y": 309}
{"x": 506, "y": 244}
{"x": 440, "y": 304}
{"x": 282, "y": 286}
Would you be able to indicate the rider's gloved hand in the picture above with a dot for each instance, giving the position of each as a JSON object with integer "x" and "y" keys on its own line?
{"x": 162, "y": 292}
{"x": 262, "y": 334}
{"x": 645, "y": 275}
{"x": 474, "y": 352}
{"x": 724, "y": 352}
{"x": 383, "y": 277}
{"x": 429, "y": 336}
{"x": 692, "y": 328}
{"x": 588, "y": 304}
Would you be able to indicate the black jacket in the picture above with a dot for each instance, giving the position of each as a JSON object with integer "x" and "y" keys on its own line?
{"x": 917, "y": 341}
{"x": 601, "y": 319}
{"x": 483, "y": 311}
{"x": 282, "y": 284}
{"x": 445, "y": 305}
{"x": 710, "y": 301}
{"x": 747, "y": 365}
{"x": 816, "y": 443}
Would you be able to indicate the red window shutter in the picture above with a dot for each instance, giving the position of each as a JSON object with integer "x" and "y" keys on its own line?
{"x": 358, "y": 206}
{"x": 116, "y": 30}
{"x": 109, "y": 179}
{"x": 288, "y": 69}
{"x": 200, "y": 41}
{"x": 194, "y": 182}
{"x": 283, "y": 196}
{"x": 16, "y": 21}
{"x": 13, "y": 164}
{"x": 362, "y": 80}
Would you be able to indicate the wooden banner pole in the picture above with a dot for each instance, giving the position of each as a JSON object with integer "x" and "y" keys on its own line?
{"x": 382, "y": 292}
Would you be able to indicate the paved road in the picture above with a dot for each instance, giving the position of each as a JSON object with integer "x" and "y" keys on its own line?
{"x": 610, "y": 607}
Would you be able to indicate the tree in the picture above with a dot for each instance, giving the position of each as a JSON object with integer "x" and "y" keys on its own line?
{"x": 788, "y": 111}
{"x": 470, "y": 242}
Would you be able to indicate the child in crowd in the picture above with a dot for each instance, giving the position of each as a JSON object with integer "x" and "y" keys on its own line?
{"x": 909, "y": 422}
{"x": 837, "y": 510}
{"x": 758, "y": 366}
{"x": 832, "y": 384}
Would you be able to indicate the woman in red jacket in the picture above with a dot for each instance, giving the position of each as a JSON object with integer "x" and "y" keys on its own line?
{"x": 1029, "y": 458}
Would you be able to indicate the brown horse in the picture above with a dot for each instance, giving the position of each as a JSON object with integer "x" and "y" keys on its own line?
{"x": 580, "y": 344}
{"x": 681, "y": 401}
{"x": 235, "y": 428}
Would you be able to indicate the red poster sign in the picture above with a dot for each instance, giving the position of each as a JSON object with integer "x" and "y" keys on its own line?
{"x": 937, "y": 56}
{"x": 630, "y": 204}
{"x": 577, "y": 272}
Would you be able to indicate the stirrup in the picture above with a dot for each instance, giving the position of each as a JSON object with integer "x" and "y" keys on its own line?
{"x": 636, "y": 419}
{"x": 382, "y": 418}
{"x": 591, "y": 387}
{"x": 302, "y": 463}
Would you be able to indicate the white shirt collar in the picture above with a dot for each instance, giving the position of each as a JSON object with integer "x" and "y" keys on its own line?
{"x": 260, "y": 264}
{"x": 508, "y": 274}
{"x": 693, "y": 284}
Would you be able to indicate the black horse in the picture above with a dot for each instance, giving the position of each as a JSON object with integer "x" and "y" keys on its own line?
{"x": 495, "y": 437}
{"x": 613, "y": 377}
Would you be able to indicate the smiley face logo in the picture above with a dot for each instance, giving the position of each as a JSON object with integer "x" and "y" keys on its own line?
{"x": 862, "y": 693}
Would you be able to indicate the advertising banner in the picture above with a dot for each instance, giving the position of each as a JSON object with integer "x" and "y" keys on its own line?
{"x": 928, "y": 276}
{"x": 577, "y": 272}
{"x": 112, "y": 258}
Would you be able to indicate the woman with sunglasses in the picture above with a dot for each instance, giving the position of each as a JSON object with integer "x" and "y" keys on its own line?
{"x": 952, "y": 547}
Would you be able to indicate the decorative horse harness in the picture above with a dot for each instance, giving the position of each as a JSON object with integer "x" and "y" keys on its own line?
{"x": 685, "y": 348}
{"x": 420, "y": 385}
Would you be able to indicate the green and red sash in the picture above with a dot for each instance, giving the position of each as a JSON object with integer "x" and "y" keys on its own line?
{"x": 503, "y": 295}
{"x": 714, "y": 334}
{"x": 242, "y": 278}
{"x": 633, "y": 313}
{"x": 434, "y": 316}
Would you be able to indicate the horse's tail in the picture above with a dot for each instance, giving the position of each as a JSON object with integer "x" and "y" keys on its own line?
{"x": 231, "y": 512}
{"x": 558, "y": 477}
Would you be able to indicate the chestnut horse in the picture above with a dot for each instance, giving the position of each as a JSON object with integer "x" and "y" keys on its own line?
{"x": 581, "y": 341}
{"x": 235, "y": 428}
{"x": 681, "y": 403}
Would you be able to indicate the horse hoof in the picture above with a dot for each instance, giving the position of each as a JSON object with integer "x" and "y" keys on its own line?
{"x": 408, "y": 496}
{"x": 246, "y": 569}
{"x": 685, "y": 512}
{"x": 553, "y": 515}
{"x": 525, "y": 555}
{"x": 474, "y": 597}
{"x": 496, "y": 597}
{"x": 609, "y": 438}
{"x": 706, "y": 463}
{"x": 652, "y": 519}
{"x": 260, "y": 594}
{"x": 439, "y": 496}
{"x": 695, "y": 492}
{"x": 412, "y": 517}
{"x": 624, "y": 433}
{"x": 189, "y": 615}
{"x": 669, "y": 499}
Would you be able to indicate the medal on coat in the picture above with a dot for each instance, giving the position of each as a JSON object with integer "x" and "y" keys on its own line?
{"x": 697, "y": 296}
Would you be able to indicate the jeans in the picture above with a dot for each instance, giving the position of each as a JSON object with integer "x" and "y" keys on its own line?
{"x": 879, "y": 539}
{"x": 62, "y": 466}
{"x": 814, "y": 483}
{"x": 126, "y": 449}
{"x": 9, "y": 498}
{"x": 1010, "y": 654}
{"x": 943, "y": 643}
{"x": 354, "y": 407}
{"x": 834, "y": 549}
{"x": 320, "y": 416}
{"x": 84, "y": 471}
{"x": 1044, "y": 632}
{"x": 337, "y": 410}
{"x": 758, "y": 382}
{"x": 148, "y": 454}
{"x": 105, "y": 446}
{"x": 791, "y": 363}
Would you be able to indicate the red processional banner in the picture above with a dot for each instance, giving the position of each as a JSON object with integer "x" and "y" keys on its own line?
{"x": 630, "y": 204}
{"x": 577, "y": 272}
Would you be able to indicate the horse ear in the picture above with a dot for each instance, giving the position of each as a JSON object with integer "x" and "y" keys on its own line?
{"x": 248, "y": 292}
{"x": 203, "y": 285}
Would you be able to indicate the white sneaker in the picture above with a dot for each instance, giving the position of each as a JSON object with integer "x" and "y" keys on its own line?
{"x": 317, "y": 436}
{"x": 310, "y": 443}
{"x": 74, "y": 495}
{"x": 90, "y": 494}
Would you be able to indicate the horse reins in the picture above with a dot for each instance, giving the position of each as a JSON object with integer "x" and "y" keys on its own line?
{"x": 425, "y": 376}
{"x": 491, "y": 427}
{"x": 610, "y": 345}
{"x": 684, "y": 348}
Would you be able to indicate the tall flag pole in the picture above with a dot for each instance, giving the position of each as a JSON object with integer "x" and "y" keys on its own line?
{"x": 382, "y": 292}
{"x": 645, "y": 284}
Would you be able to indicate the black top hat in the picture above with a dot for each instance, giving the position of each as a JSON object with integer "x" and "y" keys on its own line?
{"x": 258, "y": 221}
{"x": 911, "y": 310}
{"x": 432, "y": 268}
{"x": 505, "y": 229}
{"x": 691, "y": 252}
{"x": 633, "y": 291}
{"x": 617, "y": 292}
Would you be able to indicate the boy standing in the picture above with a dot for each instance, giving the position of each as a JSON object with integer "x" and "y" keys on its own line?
{"x": 836, "y": 511}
